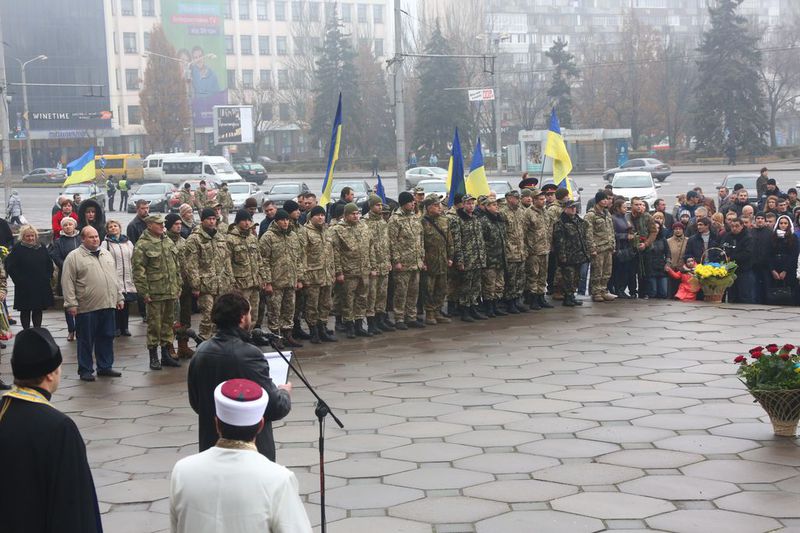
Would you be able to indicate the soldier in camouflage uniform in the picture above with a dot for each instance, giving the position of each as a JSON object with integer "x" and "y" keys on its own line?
{"x": 157, "y": 279}
{"x": 282, "y": 264}
{"x": 407, "y": 256}
{"x": 378, "y": 285}
{"x": 315, "y": 244}
{"x": 201, "y": 200}
{"x": 554, "y": 213}
{"x": 245, "y": 260}
{"x": 451, "y": 215}
{"x": 438, "y": 258}
{"x": 226, "y": 201}
{"x": 354, "y": 263}
{"x": 493, "y": 227}
{"x": 173, "y": 224}
{"x": 601, "y": 247}
{"x": 571, "y": 247}
{"x": 538, "y": 240}
{"x": 514, "y": 214}
{"x": 526, "y": 198}
{"x": 207, "y": 263}
{"x": 185, "y": 196}
{"x": 469, "y": 258}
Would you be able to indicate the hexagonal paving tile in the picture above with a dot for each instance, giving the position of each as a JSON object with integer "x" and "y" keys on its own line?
{"x": 520, "y": 491}
{"x": 365, "y": 443}
{"x": 419, "y": 430}
{"x": 483, "y": 417}
{"x": 535, "y": 405}
{"x": 551, "y": 424}
{"x": 678, "y": 488}
{"x": 649, "y": 458}
{"x": 371, "y": 524}
{"x": 679, "y": 421}
{"x": 135, "y": 491}
{"x": 588, "y": 474}
{"x": 625, "y": 434}
{"x": 586, "y": 395}
{"x": 706, "y": 444}
{"x": 368, "y": 496}
{"x": 494, "y": 437}
{"x": 134, "y": 522}
{"x": 604, "y": 414}
{"x": 125, "y": 411}
{"x": 655, "y": 402}
{"x": 431, "y": 452}
{"x": 506, "y": 463}
{"x": 703, "y": 521}
{"x": 451, "y": 509}
{"x": 779, "y": 455}
{"x": 546, "y": 522}
{"x": 774, "y": 504}
{"x": 565, "y": 448}
{"x": 739, "y": 471}
{"x": 612, "y": 505}
{"x": 433, "y": 478}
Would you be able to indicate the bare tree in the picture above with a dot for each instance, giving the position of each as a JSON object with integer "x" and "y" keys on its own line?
{"x": 261, "y": 97}
{"x": 780, "y": 72}
{"x": 677, "y": 81}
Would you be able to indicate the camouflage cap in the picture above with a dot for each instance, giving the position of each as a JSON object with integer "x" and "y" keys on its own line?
{"x": 374, "y": 200}
{"x": 431, "y": 199}
{"x": 512, "y": 192}
{"x": 481, "y": 199}
{"x": 467, "y": 197}
{"x": 154, "y": 219}
{"x": 570, "y": 203}
{"x": 526, "y": 193}
{"x": 486, "y": 200}
{"x": 419, "y": 190}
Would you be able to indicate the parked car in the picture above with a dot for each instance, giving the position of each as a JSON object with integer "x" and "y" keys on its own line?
{"x": 45, "y": 175}
{"x": 437, "y": 186}
{"x": 254, "y": 172}
{"x": 501, "y": 187}
{"x": 158, "y": 194}
{"x": 746, "y": 179}
{"x": 86, "y": 190}
{"x": 211, "y": 185}
{"x": 361, "y": 189}
{"x": 576, "y": 191}
{"x": 641, "y": 184}
{"x": 281, "y": 192}
{"x": 242, "y": 191}
{"x": 660, "y": 171}
{"x": 414, "y": 175}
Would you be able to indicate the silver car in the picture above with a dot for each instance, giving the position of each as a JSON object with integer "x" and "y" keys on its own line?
{"x": 660, "y": 171}
{"x": 416, "y": 174}
{"x": 158, "y": 194}
{"x": 280, "y": 193}
{"x": 240, "y": 192}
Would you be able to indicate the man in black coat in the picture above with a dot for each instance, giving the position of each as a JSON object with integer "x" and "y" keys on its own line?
{"x": 701, "y": 241}
{"x": 739, "y": 248}
{"x": 229, "y": 355}
{"x": 41, "y": 450}
{"x": 761, "y": 240}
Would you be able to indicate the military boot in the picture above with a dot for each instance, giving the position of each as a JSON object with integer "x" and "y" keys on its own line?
{"x": 498, "y": 310}
{"x": 447, "y": 311}
{"x": 387, "y": 321}
{"x": 381, "y": 319}
{"x": 166, "y": 358}
{"x": 350, "y": 330}
{"x": 568, "y": 301}
{"x": 576, "y": 301}
{"x": 475, "y": 313}
{"x": 521, "y": 305}
{"x": 358, "y": 327}
{"x": 430, "y": 318}
{"x": 289, "y": 340}
{"x": 372, "y": 326}
{"x": 400, "y": 325}
{"x": 298, "y": 333}
{"x": 543, "y": 302}
{"x": 324, "y": 336}
{"x": 534, "y": 302}
{"x": 511, "y": 307}
{"x": 416, "y": 323}
{"x": 184, "y": 352}
{"x": 452, "y": 309}
{"x": 155, "y": 364}
{"x": 315, "y": 339}
{"x": 465, "y": 314}
{"x": 489, "y": 306}
{"x": 339, "y": 325}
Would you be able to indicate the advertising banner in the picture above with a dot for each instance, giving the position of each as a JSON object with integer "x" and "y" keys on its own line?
{"x": 233, "y": 124}
{"x": 195, "y": 29}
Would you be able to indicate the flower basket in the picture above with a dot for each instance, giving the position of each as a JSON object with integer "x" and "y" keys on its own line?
{"x": 715, "y": 278}
{"x": 783, "y": 408}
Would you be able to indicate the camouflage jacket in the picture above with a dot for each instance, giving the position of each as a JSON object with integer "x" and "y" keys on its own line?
{"x": 245, "y": 258}
{"x": 469, "y": 251}
{"x": 224, "y": 198}
{"x": 207, "y": 261}
{"x": 438, "y": 243}
{"x": 405, "y": 240}
{"x": 281, "y": 257}
{"x": 554, "y": 211}
{"x": 569, "y": 240}
{"x": 179, "y": 243}
{"x": 494, "y": 238}
{"x": 317, "y": 250}
{"x": 515, "y": 233}
{"x": 379, "y": 230}
{"x": 201, "y": 198}
{"x": 600, "y": 230}
{"x": 155, "y": 267}
{"x": 353, "y": 252}
{"x": 185, "y": 197}
{"x": 538, "y": 231}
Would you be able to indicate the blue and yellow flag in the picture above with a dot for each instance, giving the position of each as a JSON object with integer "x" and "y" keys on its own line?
{"x": 557, "y": 151}
{"x": 455, "y": 172}
{"x": 477, "y": 184}
{"x": 333, "y": 155}
{"x": 379, "y": 190}
{"x": 82, "y": 169}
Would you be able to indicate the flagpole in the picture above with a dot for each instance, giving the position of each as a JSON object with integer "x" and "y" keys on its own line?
{"x": 541, "y": 173}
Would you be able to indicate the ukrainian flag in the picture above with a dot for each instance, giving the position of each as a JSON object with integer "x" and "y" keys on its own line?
{"x": 333, "y": 155}
{"x": 82, "y": 169}
{"x": 557, "y": 151}
{"x": 477, "y": 184}
{"x": 455, "y": 172}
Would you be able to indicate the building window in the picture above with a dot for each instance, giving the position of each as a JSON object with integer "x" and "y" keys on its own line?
{"x": 283, "y": 79}
{"x": 280, "y": 11}
{"x": 116, "y": 78}
{"x": 262, "y": 12}
{"x": 244, "y": 9}
{"x": 227, "y": 9}
{"x": 266, "y": 112}
{"x": 148, "y": 8}
{"x": 378, "y": 47}
{"x": 300, "y": 111}
{"x": 313, "y": 11}
{"x": 265, "y": 78}
{"x": 362, "y": 13}
{"x": 231, "y": 79}
{"x": 347, "y": 12}
{"x": 126, "y": 6}
{"x": 146, "y": 41}
{"x": 281, "y": 46}
{"x": 116, "y": 44}
{"x": 283, "y": 112}
{"x": 134, "y": 115}
{"x": 129, "y": 42}
{"x": 297, "y": 11}
{"x": 316, "y": 44}
{"x": 132, "y": 79}
{"x": 246, "y": 45}
{"x": 247, "y": 79}
{"x": 377, "y": 14}
{"x": 263, "y": 45}
{"x": 299, "y": 46}
{"x": 229, "y": 45}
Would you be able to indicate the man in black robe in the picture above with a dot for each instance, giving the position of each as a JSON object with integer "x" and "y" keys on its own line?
{"x": 41, "y": 450}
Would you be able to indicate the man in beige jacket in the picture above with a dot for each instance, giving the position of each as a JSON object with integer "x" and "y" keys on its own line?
{"x": 91, "y": 293}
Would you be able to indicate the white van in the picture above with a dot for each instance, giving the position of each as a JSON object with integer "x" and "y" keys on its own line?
{"x": 177, "y": 168}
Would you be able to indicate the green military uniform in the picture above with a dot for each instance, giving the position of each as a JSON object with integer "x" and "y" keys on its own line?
{"x": 224, "y": 198}
{"x": 451, "y": 215}
{"x": 207, "y": 264}
{"x": 354, "y": 258}
{"x": 184, "y": 313}
{"x": 185, "y": 197}
{"x": 156, "y": 275}
{"x": 554, "y": 211}
{"x": 201, "y": 198}
{"x": 281, "y": 267}
{"x": 378, "y": 285}
{"x": 318, "y": 275}
{"x": 601, "y": 246}
{"x": 571, "y": 248}
{"x": 538, "y": 241}
{"x": 493, "y": 228}
{"x": 515, "y": 250}
{"x": 406, "y": 248}
{"x": 246, "y": 266}
{"x": 469, "y": 257}
{"x": 438, "y": 242}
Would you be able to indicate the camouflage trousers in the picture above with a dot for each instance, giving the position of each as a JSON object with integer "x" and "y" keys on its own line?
{"x": 337, "y": 297}
{"x": 406, "y": 290}
{"x": 570, "y": 277}
{"x": 536, "y": 272}
{"x": 435, "y": 291}
{"x": 453, "y": 275}
{"x": 492, "y": 283}
{"x": 184, "y": 311}
{"x": 514, "y": 280}
{"x": 376, "y": 297}
{"x": 469, "y": 286}
{"x": 160, "y": 318}
{"x": 262, "y": 307}
{"x": 318, "y": 304}
{"x": 280, "y": 308}
{"x": 205, "y": 302}
{"x": 252, "y": 295}
{"x": 354, "y": 297}
{"x": 600, "y": 273}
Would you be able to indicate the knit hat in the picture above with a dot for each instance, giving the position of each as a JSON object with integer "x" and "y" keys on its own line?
{"x": 512, "y": 192}
{"x": 207, "y": 212}
{"x": 187, "y": 185}
{"x": 170, "y": 220}
{"x": 374, "y": 200}
{"x": 242, "y": 214}
{"x": 405, "y": 197}
{"x": 290, "y": 205}
{"x": 35, "y": 354}
{"x": 599, "y": 197}
{"x": 350, "y": 208}
{"x": 281, "y": 214}
{"x": 251, "y": 203}
{"x": 678, "y": 225}
{"x": 317, "y": 210}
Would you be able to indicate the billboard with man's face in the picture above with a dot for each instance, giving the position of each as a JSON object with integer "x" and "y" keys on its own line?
{"x": 195, "y": 29}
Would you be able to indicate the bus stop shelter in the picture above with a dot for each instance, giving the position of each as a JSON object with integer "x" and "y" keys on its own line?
{"x": 596, "y": 149}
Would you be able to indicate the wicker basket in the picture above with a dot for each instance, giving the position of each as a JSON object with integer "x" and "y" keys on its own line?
{"x": 783, "y": 408}
{"x": 712, "y": 298}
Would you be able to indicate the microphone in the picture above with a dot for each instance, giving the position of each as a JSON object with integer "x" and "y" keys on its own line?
{"x": 262, "y": 337}
{"x": 194, "y": 336}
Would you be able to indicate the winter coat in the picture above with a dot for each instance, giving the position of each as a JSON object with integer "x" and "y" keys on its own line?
{"x": 761, "y": 241}
{"x": 739, "y": 248}
{"x": 207, "y": 261}
{"x": 156, "y": 270}
{"x": 688, "y": 288}
{"x": 14, "y": 208}
{"x": 31, "y": 269}
{"x": 515, "y": 233}
{"x": 57, "y": 222}
{"x": 317, "y": 250}
{"x": 405, "y": 240}
{"x": 622, "y": 228}
{"x": 438, "y": 243}
{"x": 695, "y": 248}
{"x": 783, "y": 256}
{"x": 677, "y": 248}
{"x": 379, "y": 231}
{"x": 99, "y": 222}
{"x": 60, "y": 248}
{"x": 135, "y": 229}
{"x": 469, "y": 252}
{"x": 245, "y": 258}
{"x": 122, "y": 252}
{"x": 659, "y": 257}
{"x": 353, "y": 251}
{"x": 493, "y": 227}
{"x": 570, "y": 243}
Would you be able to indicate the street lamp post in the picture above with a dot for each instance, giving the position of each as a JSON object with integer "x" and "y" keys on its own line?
{"x": 22, "y": 65}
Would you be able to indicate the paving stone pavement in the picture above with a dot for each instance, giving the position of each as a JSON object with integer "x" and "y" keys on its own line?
{"x": 624, "y": 416}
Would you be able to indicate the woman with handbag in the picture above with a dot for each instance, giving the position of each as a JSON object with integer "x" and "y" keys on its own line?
{"x": 68, "y": 240}
{"x": 121, "y": 249}
{"x": 623, "y": 273}
{"x": 782, "y": 263}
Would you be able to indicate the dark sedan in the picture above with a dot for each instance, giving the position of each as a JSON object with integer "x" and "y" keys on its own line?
{"x": 281, "y": 192}
{"x": 254, "y": 172}
{"x": 660, "y": 171}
